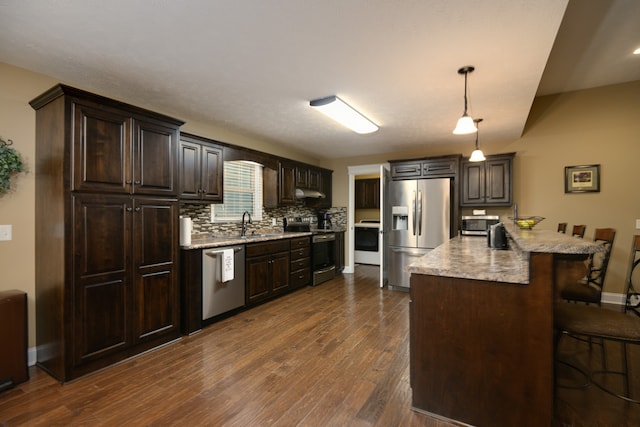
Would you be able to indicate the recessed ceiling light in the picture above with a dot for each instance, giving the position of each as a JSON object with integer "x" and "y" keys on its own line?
{"x": 637, "y": 51}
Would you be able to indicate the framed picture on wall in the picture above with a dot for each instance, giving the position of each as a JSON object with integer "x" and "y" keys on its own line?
{"x": 582, "y": 179}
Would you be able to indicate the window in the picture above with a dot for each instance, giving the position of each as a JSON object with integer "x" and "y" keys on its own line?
{"x": 242, "y": 192}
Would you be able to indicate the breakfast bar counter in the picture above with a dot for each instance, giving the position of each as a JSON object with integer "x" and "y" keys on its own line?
{"x": 481, "y": 326}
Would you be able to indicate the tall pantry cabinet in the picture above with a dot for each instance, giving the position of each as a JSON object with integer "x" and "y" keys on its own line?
{"x": 106, "y": 231}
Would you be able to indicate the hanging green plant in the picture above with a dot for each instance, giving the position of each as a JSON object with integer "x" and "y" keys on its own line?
{"x": 10, "y": 163}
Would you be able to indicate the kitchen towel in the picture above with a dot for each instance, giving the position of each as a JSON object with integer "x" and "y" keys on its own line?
{"x": 227, "y": 265}
{"x": 186, "y": 228}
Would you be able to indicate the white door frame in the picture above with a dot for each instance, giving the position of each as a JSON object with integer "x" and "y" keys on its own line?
{"x": 353, "y": 172}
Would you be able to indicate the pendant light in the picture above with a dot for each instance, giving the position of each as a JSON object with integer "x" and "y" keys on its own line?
{"x": 465, "y": 123}
{"x": 477, "y": 155}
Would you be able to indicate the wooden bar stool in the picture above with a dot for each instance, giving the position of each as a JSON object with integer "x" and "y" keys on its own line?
{"x": 607, "y": 325}
{"x": 578, "y": 231}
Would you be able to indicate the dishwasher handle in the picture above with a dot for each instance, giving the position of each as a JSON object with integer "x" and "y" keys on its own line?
{"x": 214, "y": 254}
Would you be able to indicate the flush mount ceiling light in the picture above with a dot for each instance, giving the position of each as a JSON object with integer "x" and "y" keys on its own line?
{"x": 341, "y": 112}
{"x": 465, "y": 123}
{"x": 477, "y": 155}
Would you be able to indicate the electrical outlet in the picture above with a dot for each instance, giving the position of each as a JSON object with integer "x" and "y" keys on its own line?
{"x": 5, "y": 232}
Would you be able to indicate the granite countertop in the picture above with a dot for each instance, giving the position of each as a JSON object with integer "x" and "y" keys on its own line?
{"x": 202, "y": 241}
{"x": 550, "y": 241}
{"x": 469, "y": 257}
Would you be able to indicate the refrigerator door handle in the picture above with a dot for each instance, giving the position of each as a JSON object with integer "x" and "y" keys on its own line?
{"x": 413, "y": 213}
{"x": 419, "y": 215}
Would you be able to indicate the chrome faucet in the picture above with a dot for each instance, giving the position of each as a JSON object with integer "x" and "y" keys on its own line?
{"x": 244, "y": 224}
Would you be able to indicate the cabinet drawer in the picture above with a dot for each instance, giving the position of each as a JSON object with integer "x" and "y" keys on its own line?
{"x": 300, "y": 253}
{"x": 267, "y": 248}
{"x": 300, "y": 242}
{"x": 300, "y": 278}
{"x": 300, "y": 264}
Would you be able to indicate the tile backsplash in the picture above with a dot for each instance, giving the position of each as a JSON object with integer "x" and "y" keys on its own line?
{"x": 201, "y": 216}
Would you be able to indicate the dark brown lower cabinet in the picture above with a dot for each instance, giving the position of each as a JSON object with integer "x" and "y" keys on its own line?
{"x": 300, "y": 262}
{"x": 267, "y": 270}
{"x": 121, "y": 297}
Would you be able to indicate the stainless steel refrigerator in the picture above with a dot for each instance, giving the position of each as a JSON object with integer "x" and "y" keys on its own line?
{"x": 420, "y": 221}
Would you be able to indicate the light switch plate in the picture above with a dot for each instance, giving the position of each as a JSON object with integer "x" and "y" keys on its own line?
{"x": 5, "y": 232}
{"x": 638, "y": 224}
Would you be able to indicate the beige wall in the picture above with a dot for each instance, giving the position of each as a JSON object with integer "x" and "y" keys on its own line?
{"x": 598, "y": 126}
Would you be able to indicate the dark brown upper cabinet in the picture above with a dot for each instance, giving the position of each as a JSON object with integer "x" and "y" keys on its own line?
{"x": 487, "y": 183}
{"x": 368, "y": 193}
{"x": 119, "y": 152}
{"x": 286, "y": 183}
{"x": 201, "y": 170}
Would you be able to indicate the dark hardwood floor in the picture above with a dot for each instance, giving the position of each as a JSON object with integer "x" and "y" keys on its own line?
{"x": 332, "y": 355}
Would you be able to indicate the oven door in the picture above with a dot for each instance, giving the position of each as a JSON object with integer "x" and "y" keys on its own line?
{"x": 323, "y": 249}
{"x": 367, "y": 239}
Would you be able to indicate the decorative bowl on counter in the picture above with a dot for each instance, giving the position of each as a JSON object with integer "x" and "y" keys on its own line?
{"x": 527, "y": 222}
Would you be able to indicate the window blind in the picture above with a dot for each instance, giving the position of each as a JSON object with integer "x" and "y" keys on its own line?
{"x": 242, "y": 192}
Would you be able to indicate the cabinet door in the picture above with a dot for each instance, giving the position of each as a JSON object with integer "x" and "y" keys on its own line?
{"x": 302, "y": 177}
{"x": 440, "y": 167}
{"x": 498, "y": 181}
{"x": 212, "y": 170}
{"x": 361, "y": 194}
{"x": 280, "y": 264}
{"x": 101, "y": 283}
{"x": 101, "y": 149}
{"x": 155, "y": 154}
{"x": 257, "y": 278}
{"x": 406, "y": 170}
{"x": 473, "y": 183}
{"x": 368, "y": 194}
{"x": 286, "y": 184}
{"x": 155, "y": 246}
{"x": 315, "y": 179}
{"x": 325, "y": 187}
{"x": 190, "y": 181}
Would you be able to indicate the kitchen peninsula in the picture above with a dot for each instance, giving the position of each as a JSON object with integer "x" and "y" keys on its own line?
{"x": 481, "y": 325}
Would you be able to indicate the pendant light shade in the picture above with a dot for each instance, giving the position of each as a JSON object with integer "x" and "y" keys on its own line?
{"x": 477, "y": 155}
{"x": 465, "y": 126}
{"x": 465, "y": 123}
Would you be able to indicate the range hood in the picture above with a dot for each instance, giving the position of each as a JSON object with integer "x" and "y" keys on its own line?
{"x": 304, "y": 193}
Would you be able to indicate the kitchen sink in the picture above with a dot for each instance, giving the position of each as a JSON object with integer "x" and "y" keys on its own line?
{"x": 256, "y": 235}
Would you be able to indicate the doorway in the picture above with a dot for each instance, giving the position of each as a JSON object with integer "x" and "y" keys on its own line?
{"x": 359, "y": 216}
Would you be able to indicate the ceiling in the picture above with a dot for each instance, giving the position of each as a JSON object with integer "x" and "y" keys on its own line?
{"x": 252, "y": 66}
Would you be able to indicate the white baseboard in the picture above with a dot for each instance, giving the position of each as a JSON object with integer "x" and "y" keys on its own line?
{"x": 611, "y": 298}
{"x": 31, "y": 356}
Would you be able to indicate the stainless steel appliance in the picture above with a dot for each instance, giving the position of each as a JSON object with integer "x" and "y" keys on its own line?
{"x": 324, "y": 221}
{"x": 497, "y": 237}
{"x": 420, "y": 220}
{"x": 477, "y": 225}
{"x": 219, "y": 297}
{"x": 323, "y": 258}
{"x": 367, "y": 242}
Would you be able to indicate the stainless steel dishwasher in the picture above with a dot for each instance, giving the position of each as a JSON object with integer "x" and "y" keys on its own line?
{"x": 219, "y": 297}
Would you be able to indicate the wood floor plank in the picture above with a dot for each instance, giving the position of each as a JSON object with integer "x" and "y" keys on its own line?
{"x": 332, "y": 355}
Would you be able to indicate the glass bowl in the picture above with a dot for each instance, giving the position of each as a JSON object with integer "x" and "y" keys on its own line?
{"x": 527, "y": 222}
